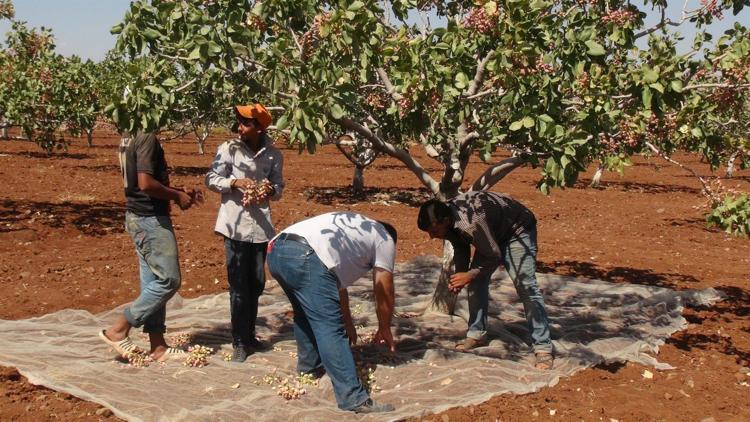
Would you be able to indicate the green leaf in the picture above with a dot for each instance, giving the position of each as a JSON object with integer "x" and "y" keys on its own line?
{"x": 535, "y": 5}
{"x": 151, "y": 34}
{"x": 282, "y": 123}
{"x": 462, "y": 81}
{"x": 528, "y": 122}
{"x": 356, "y": 6}
{"x": 657, "y": 86}
{"x": 195, "y": 54}
{"x": 336, "y": 111}
{"x": 595, "y": 49}
{"x": 518, "y": 124}
{"x": 646, "y": 97}
{"x": 697, "y": 132}
{"x": 546, "y": 118}
{"x": 650, "y": 75}
{"x": 676, "y": 85}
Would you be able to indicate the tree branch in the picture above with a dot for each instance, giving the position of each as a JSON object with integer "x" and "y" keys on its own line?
{"x": 186, "y": 85}
{"x": 479, "y": 75}
{"x": 388, "y": 85}
{"x": 391, "y": 150}
{"x": 706, "y": 190}
{"x": 717, "y": 85}
{"x": 496, "y": 173}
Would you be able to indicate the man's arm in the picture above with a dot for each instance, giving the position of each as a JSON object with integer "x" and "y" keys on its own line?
{"x": 155, "y": 189}
{"x": 351, "y": 332}
{"x": 217, "y": 178}
{"x": 461, "y": 251}
{"x": 385, "y": 300}
{"x": 276, "y": 177}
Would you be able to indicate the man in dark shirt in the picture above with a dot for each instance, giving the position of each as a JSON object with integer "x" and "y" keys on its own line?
{"x": 501, "y": 229}
{"x": 147, "y": 193}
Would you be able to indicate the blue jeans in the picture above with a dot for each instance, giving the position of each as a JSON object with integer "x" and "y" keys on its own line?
{"x": 318, "y": 322}
{"x": 156, "y": 247}
{"x": 247, "y": 278}
{"x": 519, "y": 258}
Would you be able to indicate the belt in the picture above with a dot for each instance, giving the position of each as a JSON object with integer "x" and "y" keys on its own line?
{"x": 293, "y": 237}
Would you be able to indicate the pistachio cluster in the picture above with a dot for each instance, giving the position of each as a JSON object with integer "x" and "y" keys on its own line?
{"x": 257, "y": 192}
{"x": 198, "y": 356}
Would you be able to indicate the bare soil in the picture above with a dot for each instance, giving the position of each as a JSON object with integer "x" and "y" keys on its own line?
{"x": 62, "y": 245}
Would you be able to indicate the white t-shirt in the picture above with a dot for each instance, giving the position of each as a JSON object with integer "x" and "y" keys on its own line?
{"x": 349, "y": 244}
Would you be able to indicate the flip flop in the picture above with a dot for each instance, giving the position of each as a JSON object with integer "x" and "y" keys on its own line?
{"x": 470, "y": 344}
{"x": 172, "y": 353}
{"x": 123, "y": 347}
{"x": 544, "y": 360}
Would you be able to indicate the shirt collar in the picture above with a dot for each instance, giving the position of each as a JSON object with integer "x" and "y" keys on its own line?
{"x": 263, "y": 145}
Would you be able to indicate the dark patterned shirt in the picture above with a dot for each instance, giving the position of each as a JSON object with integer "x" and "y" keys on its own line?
{"x": 143, "y": 154}
{"x": 486, "y": 220}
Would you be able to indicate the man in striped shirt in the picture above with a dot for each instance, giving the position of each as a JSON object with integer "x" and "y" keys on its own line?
{"x": 501, "y": 230}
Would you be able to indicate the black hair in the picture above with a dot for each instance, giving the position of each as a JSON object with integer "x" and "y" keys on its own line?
{"x": 390, "y": 229}
{"x": 431, "y": 212}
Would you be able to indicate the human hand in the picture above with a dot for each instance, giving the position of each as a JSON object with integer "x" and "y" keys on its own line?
{"x": 384, "y": 336}
{"x": 244, "y": 184}
{"x": 351, "y": 332}
{"x": 196, "y": 195}
{"x": 459, "y": 280}
{"x": 264, "y": 188}
{"x": 184, "y": 199}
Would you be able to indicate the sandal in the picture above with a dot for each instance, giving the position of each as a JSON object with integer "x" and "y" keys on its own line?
{"x": 544, "y": 360}
{"x": 123, "y": 347}
{"x": 172, "y": 353}
{"x": 470, "y": 344}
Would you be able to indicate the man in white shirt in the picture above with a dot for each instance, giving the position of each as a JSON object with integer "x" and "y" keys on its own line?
{"x": 246, "y": 166}
{"x": 315, "y": 261}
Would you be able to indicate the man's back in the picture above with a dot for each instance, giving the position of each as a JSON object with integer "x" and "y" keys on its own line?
{"x": 348, "y": 243}
{"x": 489, "y": 218}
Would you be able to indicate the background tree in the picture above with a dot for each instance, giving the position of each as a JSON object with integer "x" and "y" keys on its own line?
{"x": 43, "y": 92}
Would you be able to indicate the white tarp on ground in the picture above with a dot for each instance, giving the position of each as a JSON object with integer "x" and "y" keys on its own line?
{"x": 592, "y": 321}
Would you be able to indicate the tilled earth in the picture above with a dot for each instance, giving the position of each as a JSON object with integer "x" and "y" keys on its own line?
{"x": 62, "y": 245}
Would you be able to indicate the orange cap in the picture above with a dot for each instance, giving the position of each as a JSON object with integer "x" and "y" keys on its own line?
{"x": 255, "y": 111}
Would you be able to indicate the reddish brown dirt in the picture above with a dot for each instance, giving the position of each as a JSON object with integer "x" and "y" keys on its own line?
{"x": 62, "y": 246}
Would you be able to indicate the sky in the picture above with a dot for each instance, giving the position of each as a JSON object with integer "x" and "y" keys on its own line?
{"x": 81, "y": 27}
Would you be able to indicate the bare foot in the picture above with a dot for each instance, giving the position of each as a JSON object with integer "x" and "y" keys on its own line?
{"x": 115, "y": 335}
{"x": 157, "y": 352}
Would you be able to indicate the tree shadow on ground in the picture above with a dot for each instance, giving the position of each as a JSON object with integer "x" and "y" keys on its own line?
{"x": 329, "y": 195}
{"x": 188, "y": 170}
{"x": 103, "y": 168}
{"x": 616, "y": 274}
{"x": 682, "y": 222}
{"x": 49, "y": 156}
{"x": 648, "y": 188}
{"x": 90, "y": 218}
{"x": 736, "y": 305}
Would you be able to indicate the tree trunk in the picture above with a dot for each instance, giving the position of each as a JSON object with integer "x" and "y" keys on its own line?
{"x": 201, "y": 142}
{"x": 358, "y": 181}
{"x": 4, "y": 132}
{"x": 597, "y": 176}
{"x": 443, "y": 300}
{"x": 730, "y": 164}
{"x": 90, "y": 137}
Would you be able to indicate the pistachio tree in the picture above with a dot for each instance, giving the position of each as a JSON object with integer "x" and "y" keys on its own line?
{"x": 41, "y": 91}
{"x": 558, "y": 85}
